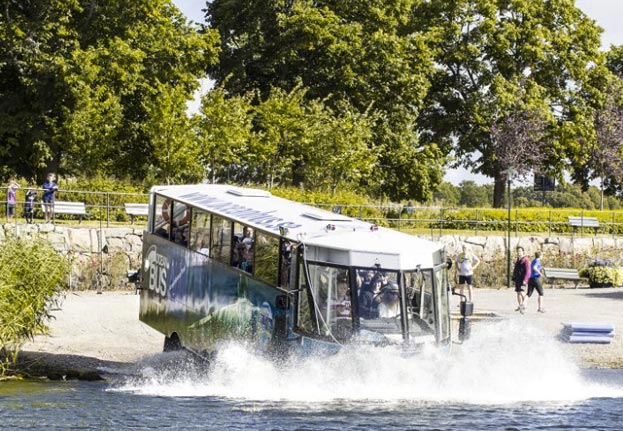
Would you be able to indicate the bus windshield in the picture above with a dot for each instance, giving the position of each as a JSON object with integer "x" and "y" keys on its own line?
{"x": 378, "y": 297}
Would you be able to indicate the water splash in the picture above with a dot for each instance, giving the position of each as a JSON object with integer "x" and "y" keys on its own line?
{"x": 502, "y": 363}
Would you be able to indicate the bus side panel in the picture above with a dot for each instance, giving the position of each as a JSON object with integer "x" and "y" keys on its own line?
{"x": 203, "y": 301}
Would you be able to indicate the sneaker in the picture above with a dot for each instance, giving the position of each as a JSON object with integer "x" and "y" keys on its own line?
{"x": 541, "y": 310}
{"x": 522, "y": 308}
{"x": 518, "y": 308}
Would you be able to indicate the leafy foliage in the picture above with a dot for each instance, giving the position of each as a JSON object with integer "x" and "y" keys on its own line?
{"x": 285, "y": 140}
{"x": 362, "y": 58}
{"x": 602, "y": 276}
{"x": 494, "y": 55}
{"x": 96, "y": 87}
{"x": 32, "y": 275}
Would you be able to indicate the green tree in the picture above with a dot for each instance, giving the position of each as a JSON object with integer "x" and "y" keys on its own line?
{"x": 493, "y": 55}
{"x": 81, "y": 83}
{"x": 224, "y": 129}
{"x": 447, "y": 194}
{"x": 365, "y": 53}
{"x": 473, "y": 195}
{"x": 285, "y": 139}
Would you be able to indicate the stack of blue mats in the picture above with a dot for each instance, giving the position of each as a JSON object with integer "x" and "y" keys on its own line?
{"x": 599, "y": 333}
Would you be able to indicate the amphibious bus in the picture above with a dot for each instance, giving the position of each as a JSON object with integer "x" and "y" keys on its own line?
{"x": 222, "y": 262}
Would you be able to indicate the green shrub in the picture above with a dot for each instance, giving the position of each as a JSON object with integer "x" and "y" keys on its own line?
{"x": 32, "y": 275}
{"x": 603, "y": 275}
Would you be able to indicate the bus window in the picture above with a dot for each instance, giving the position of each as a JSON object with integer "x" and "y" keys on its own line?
{"x": 200, "y": 232}
{"x": 378, "y": 294}
{"x": 441, "y": 298}
{"x": 180, "y": 223}
{"x": 285, "y": 262}
{"x": 305, "y": 306}
{"x": 266, "y": 257}
{"x": 162, "y": 226}
{"x": 419, "y": 290}
{"x": 243, "y": 250}
{"x": 330, "y": 288}
{"x": 220, "y": 239}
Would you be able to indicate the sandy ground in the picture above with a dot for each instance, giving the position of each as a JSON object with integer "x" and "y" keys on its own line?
{"x": 95, "y": 330}
{"x": 563, "y": 306}
{"x": 89, "y": 332}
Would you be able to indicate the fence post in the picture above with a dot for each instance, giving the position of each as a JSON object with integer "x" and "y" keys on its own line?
{"x": 441, "y": 223}
{"x": 550, "y": 223}
{"x": 107, "y": 209}
{"x": 516, "y": 223}
{"x": 476, "y": 231}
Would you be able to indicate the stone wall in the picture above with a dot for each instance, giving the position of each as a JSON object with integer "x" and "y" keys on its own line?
{"x": 85, "y": 242}
{"x": 83, "y": 245}
{"x": 490, "y": 247}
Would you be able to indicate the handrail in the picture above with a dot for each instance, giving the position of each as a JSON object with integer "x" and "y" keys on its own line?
{"x": 437, "y": 221}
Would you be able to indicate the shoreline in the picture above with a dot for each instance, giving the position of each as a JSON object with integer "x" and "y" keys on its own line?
{"x": 91, "y": 332}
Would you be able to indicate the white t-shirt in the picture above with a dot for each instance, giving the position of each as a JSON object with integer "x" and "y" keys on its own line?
{"x": 466, "y": 263}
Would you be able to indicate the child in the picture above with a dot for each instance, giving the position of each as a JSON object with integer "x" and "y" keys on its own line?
{"x": 29, "y": 205}
{"x": 11, "y": 199}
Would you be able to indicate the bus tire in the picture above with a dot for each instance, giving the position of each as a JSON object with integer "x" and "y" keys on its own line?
{"x": 172, "y": 343}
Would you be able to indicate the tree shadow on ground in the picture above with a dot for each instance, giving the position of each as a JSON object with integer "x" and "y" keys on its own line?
{"x": 606, "y": 295}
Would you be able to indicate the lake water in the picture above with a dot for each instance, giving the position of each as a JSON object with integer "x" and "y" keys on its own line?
{"x": 504, "y": 378}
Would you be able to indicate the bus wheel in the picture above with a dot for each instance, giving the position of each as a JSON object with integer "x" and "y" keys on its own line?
{"x": 172, "y": 343}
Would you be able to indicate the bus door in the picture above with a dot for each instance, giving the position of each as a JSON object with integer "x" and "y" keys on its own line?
{"x": 324, "y": 301}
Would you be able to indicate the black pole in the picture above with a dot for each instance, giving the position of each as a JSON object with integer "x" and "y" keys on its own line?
{"x": 508, "y": 237}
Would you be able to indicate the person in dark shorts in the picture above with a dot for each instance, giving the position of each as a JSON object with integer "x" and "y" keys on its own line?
{"x": 466, "y": 263}
{"x": 536, "y": 280}
{"x": 521, "y": 275}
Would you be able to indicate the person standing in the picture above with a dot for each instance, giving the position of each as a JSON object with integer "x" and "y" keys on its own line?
{"x": 29, "y": 205}
{"x": 521, "y": 275}
{"x": 466, "y": 263}
{"x": 11, "y": 199}
{"x": 536, "y": 280}
{"x": 49, "y": 188}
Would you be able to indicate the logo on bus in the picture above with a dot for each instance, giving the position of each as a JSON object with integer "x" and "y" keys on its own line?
{"x": 157, "y": 270}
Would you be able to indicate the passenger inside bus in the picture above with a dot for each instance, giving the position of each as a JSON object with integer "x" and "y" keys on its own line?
{"x": 369, "y": 298}
{"x": 244, "y": 249}
{"x": 389, "y": 305}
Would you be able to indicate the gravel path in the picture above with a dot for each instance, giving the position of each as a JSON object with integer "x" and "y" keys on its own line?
{"x": 91, "y": 330}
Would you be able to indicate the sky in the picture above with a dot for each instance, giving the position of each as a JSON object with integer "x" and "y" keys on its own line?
{"x": 607, "y": 14}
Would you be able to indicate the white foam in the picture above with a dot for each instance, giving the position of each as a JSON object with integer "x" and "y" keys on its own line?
{"x": 501, "y": 363}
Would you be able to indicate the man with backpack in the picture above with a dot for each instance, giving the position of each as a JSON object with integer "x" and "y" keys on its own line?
{"x": 521, "y": 276}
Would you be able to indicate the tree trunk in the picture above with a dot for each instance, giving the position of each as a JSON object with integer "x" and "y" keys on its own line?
{"x": 601, "y": 197}
{"x": 499, "y": 190}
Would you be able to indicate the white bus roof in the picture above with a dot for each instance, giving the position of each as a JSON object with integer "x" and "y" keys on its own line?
{"x": 328, "y": 236}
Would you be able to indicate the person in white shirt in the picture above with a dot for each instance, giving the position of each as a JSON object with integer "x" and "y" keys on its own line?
{"x": 466, "y": 263}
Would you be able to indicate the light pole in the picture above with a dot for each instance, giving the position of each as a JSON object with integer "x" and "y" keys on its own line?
{"x": 509, "y": 176}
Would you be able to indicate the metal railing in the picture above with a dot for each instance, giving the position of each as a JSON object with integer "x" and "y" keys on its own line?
{"x": 103, "y": 207}
{"x": 108, "y": 208}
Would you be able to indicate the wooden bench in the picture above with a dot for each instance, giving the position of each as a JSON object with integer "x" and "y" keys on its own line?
{"x": 136, "y": 210}
{"x": 582, "y": 222}
{"x": 66, "y": 207}
{"x": 567, "y": 274}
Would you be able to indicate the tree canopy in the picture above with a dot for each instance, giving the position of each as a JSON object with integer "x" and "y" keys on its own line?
{"x": 377, "y": 96}
{"x": 365, "y": 54}
{"x": 84, "y": 84}
{"x": 493, "y": 55}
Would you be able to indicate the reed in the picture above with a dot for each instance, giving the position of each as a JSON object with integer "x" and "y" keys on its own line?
{"x": 32, "y": 278}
